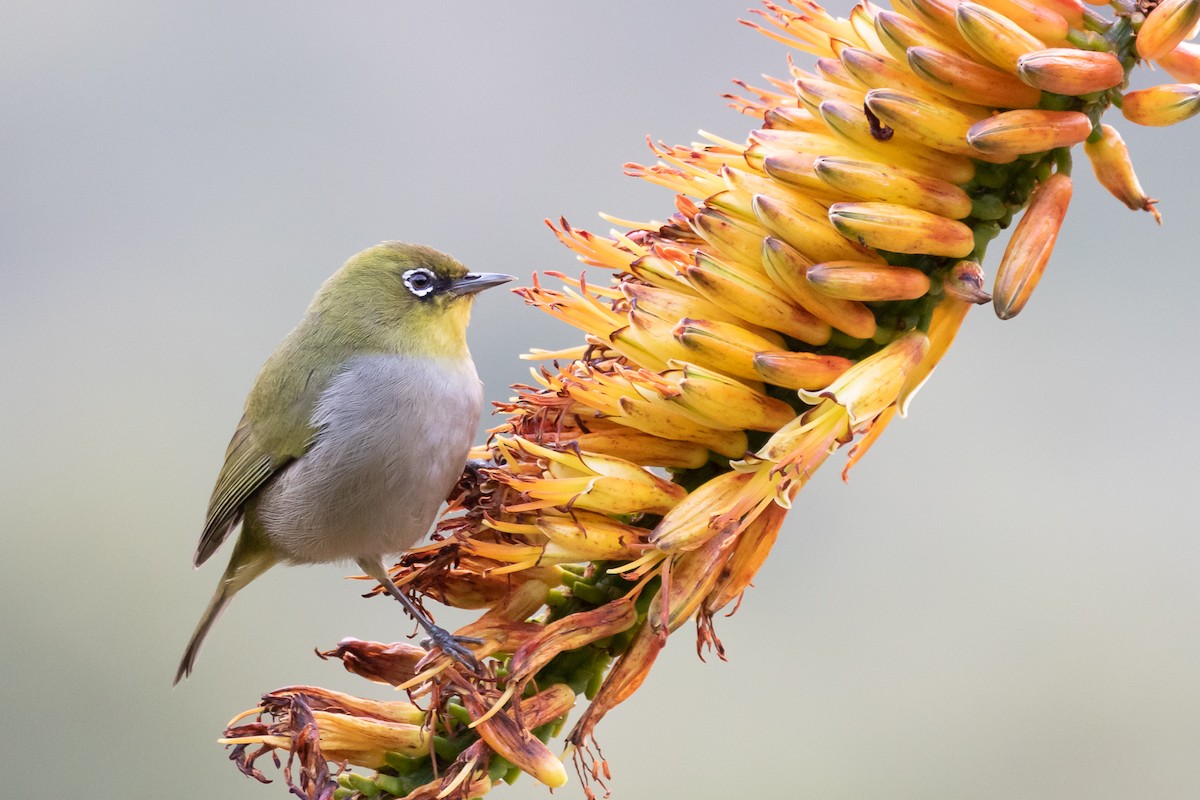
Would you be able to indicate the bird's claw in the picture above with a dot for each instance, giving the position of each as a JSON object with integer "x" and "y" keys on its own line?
{"x": 453, "y": 646}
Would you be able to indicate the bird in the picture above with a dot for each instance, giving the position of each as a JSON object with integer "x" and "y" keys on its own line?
{"x": 355, "y": 431}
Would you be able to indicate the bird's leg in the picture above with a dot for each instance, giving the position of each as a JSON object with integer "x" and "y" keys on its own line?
{"x": 448, "y": 643}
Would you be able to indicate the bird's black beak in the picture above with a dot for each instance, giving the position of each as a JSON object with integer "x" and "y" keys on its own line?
{"x": 474, "y": 282}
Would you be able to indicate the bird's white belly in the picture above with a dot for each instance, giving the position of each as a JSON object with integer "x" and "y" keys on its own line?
{"x": 393, "y": 435}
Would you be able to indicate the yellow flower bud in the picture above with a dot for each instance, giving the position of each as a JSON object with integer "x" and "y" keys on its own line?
{"x": 1167, "y": 25}
{"x": 808, "y": 229}
{"x": 787, "y": 267}
{"x": 852, "y": 280}
{"x": 1035, "y": 17}
{"x": 899, "y": 229}
{"x": 715, "y": 397}
{"x": 871, "y": 181}
{"x": 799, "y": 370}
{"x": 917, "y": 120}
{"x": 898, "y": 33}
{"x": 1162, "y": 105}
{"x": 851, "y": 124}
{"x": 967, "y": 80}
{"x": 726, "y": 348}
{"x": 642, "y": 448}
{"x": 756, "y": 301}
{"x": 994, "y": 36}
{"x": 695, "y": 520}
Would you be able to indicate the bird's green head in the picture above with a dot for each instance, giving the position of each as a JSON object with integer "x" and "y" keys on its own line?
{"x": 405, "y": 298}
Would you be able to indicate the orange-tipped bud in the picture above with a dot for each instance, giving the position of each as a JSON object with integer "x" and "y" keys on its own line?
{"x": 1167, "y": 25}
{"x": 799, "y": 370}
{"x": 1032, "y": 242}
{"x": 787, "y": 267}
{"x": 1065, "y": 70}
{"x": 967, "y": 80}
{"x": 807, "y": 229}
{"x": 851, "y": 280}
{"x": 1028, "y": 130}
{"x": 898, "y": 33}
{"x": 964, "y": 282}
{"x": 729, "y": 235}
{"x": 756, "y": 301}
{"x": 726, "y": 348}
{"x": 852, "y": 125}
{"x": 899, "y": 229}
{"x": 875, "y": 71}
{"x": 921, "y": 121}
{"x": 795, "y": 169}
{"x": 994, "y": 36}
{"x": 716, "y": 398}
{"x": 812, "y": 92}
{"x": 1162, "y": 105}
{"x": 1034, "y": 16}
{"x": 1113, "y": 168}
{"x": 671, "y": 306}
{"x": 642, "y": 448}
{"x": 1183, "y": 63}
{"x": 871, "y": 181}
{"x": 936, "y": 15}
{"x": 578, "y": 479}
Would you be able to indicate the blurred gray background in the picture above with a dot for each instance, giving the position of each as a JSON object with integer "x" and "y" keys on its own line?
{"x": 1003, "y": 602}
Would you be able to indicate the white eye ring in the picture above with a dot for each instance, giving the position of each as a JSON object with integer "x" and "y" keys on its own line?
{"x": 419, "y": 281}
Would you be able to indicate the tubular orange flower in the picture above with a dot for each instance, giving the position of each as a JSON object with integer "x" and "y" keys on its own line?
{"x": 1029, "y": 249}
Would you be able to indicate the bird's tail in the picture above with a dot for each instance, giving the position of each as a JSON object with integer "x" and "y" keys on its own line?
{"x": 243, "y": 568}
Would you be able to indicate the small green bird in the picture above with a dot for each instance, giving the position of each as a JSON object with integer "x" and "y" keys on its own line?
{"x": 356, "y": 429}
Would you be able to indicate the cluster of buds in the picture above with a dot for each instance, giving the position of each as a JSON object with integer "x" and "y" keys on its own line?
{"x": 806, "y": 285}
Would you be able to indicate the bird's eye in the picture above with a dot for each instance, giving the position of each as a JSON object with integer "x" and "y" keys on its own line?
{"x": 420, "y": 281}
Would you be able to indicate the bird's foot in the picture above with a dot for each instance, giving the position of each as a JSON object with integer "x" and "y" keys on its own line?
{"x": 453, "y": 646}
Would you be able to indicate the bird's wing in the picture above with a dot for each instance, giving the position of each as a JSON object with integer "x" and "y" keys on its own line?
{"x": 276, "y": 428}
{"x": 248, "y": 465}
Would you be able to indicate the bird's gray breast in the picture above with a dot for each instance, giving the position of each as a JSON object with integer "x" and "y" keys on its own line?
{"x": 392, "y": 437}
